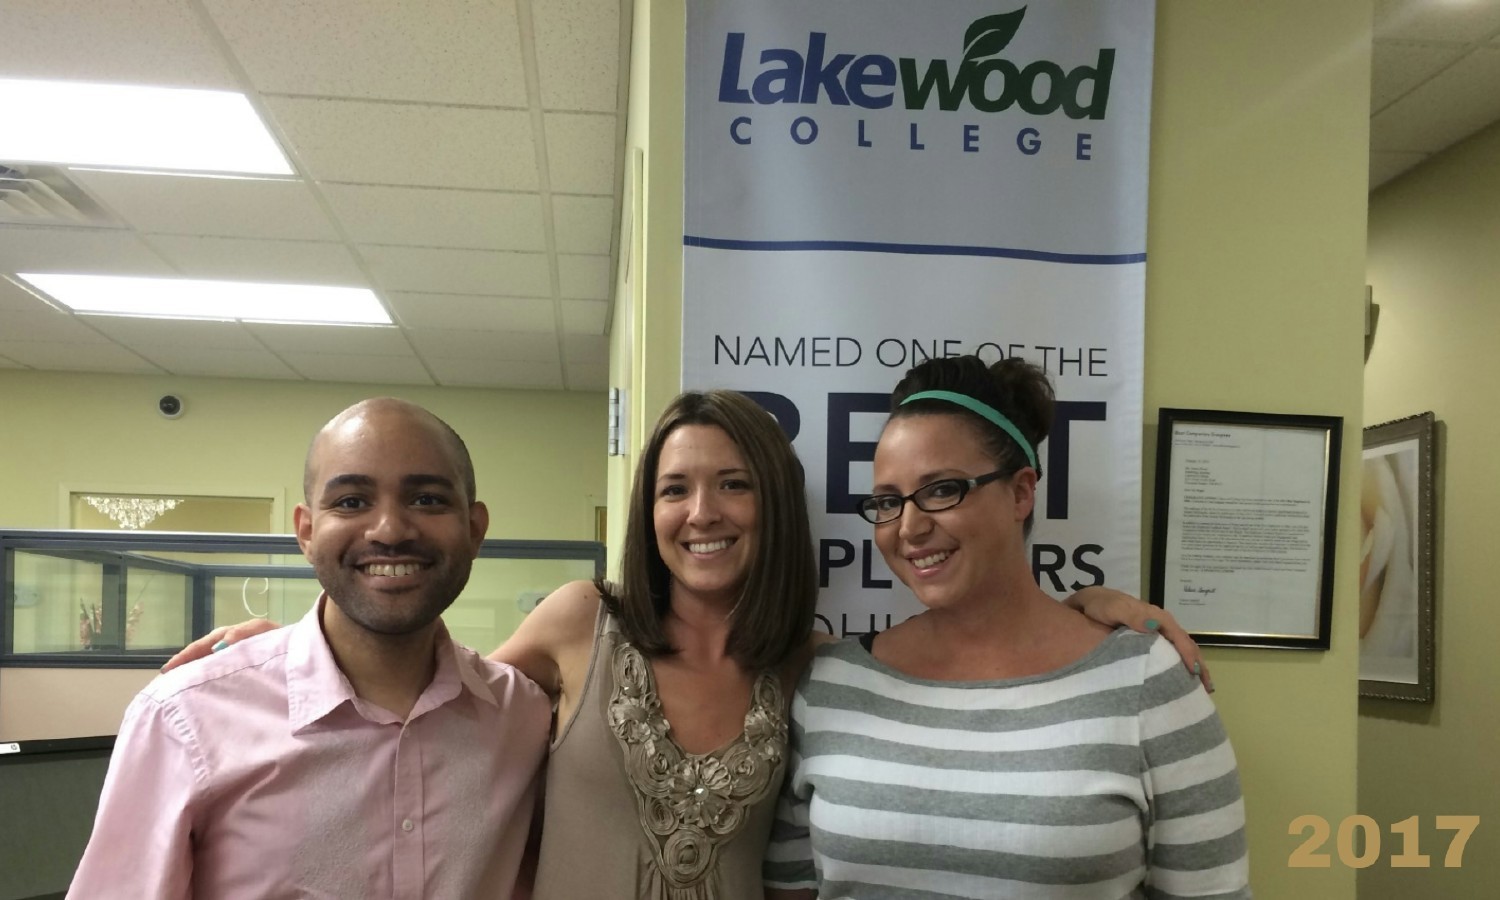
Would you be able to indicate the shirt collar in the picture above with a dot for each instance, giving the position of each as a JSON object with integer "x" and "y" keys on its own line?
{"x": 316, "y": 686}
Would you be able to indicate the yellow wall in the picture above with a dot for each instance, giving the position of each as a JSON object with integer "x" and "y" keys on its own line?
{"x": 646, "y": 335}
{"x": 1435, "y": 271}
{"x": 656, "y": 116}
{"x": 537, "y": 454}
{"x": 538, "y": 459}
{"x": 1254, "y": 286}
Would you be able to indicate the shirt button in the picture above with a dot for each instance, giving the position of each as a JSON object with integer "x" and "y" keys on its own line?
{"x": 406, "y": 825}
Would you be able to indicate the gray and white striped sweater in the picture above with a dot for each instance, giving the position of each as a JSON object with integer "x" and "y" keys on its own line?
{"x": 1110, "y": 778}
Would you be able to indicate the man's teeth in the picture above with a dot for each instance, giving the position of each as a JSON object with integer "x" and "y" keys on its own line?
{"x": 926, "y": 561}
{"x": 393, "y": 571}
{"x": 709, "y": 547}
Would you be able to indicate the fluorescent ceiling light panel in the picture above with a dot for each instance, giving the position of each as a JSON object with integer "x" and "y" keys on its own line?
{"x": 183, "y": 298}
{"x": 216, "y": 176}
{"x": 133, "y": 126}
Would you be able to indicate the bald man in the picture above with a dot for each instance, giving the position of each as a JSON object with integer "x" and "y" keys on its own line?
{"x": 359, "y": 753}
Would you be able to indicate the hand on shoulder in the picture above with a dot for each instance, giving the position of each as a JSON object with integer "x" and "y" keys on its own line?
{"x": 217, "y": 640}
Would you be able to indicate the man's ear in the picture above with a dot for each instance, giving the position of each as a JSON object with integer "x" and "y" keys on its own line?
{"x": 302, "y": 524}
{"x": 479, "y": 524}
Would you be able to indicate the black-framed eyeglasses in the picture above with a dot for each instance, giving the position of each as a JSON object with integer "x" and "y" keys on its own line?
{"x": 934, "y": 496}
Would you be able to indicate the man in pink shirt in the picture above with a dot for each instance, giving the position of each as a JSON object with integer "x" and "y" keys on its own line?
{"x": 360, "y": 753}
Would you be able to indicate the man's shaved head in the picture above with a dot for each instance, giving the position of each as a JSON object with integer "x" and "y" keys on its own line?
{"x": 384, "y": 409}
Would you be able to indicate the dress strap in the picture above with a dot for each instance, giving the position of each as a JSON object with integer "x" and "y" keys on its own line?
{"x": 602, "y": 621}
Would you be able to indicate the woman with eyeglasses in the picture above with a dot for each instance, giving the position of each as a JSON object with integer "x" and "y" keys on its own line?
{"x": 999, "y": 744}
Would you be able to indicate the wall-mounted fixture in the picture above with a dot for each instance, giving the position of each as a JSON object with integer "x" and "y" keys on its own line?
{"x": 617, "y": 428}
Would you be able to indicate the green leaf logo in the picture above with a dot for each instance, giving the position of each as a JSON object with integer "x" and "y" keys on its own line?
{"x": 989, "y": 35}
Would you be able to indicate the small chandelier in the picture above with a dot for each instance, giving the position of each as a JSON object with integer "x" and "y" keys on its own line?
{"x": 132, "y": 512}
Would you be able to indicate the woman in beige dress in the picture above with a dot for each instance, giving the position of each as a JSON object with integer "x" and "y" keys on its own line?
{"x": 707, "y": 630}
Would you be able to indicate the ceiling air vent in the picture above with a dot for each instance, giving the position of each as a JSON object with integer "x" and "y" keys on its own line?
{"x": 43, "y": 195}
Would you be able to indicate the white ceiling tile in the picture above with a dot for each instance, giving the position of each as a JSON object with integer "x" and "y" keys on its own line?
{"x": 501, "y": 345}
{"x": 137, "y": 332}
{"x": 276, "y": 262}
{"x": 157, "y": 42}
{"x": 581, "y": 153}
{"x": 1400, "y": 66}
{"x": 584, "y": 316}
{"x": 587, "y": 376}
{"x": 583, "y": 224}
{"x": 489, "y": 272}
{"x": 406, "y": 144}
{"x": 497, "y": 374}
{"x": 1436, "y": 20}
{"x": 362, "y": 369}
{"x": 1384, "y": 166}
{"x": 577, "y": 53}
{"x": 217, "y": 362}
{"x": 223, "y": 207}
{"x": 378, "y": 49}
{"x": 1446, "y": 109}
{"x": 68, "y": 357}
{"x": 584, "y": 277}
{"x": 47, "y": 325}
{"x": 585, "y": 348}
{"x": 461, "y": 311}
{"x": 15, "y": 297}
{"x": 77, "y": 250}
{"x": 337, "y": 340}
{"x": 432, "y": 217}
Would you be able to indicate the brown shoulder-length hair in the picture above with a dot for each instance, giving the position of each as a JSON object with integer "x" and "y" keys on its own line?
{"x": 774, "y": 612}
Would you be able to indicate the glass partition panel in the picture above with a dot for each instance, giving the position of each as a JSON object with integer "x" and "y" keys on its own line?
{"x": 51, "y": 608}
{"x": 501, "y": 592}
{"x": 95, "y": 603}
{"x": 130, "y": 600}
{"x": 158, "y": 607}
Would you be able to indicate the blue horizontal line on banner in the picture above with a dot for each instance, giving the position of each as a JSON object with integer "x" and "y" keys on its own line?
{"x": 1085, "y": 259}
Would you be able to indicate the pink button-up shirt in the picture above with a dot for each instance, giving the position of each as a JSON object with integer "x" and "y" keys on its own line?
{"x": 258, "y": 773}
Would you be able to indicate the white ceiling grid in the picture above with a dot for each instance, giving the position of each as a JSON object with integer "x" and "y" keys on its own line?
{"x": 1435, "y": 79}
{"x": 458, "y": 157}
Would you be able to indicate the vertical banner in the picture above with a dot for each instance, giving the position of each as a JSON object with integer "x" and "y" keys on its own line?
{"x": 870, "y": 183}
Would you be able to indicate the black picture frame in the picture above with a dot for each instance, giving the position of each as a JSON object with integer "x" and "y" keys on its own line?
{"x": 1398, "y": 560}
{"x": 1244, "y": 526}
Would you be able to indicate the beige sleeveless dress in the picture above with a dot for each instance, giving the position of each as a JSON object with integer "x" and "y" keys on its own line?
{"x": 630, "y": 815}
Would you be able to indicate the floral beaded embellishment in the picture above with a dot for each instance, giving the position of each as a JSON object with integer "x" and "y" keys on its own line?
{"x": 690, "y": 804}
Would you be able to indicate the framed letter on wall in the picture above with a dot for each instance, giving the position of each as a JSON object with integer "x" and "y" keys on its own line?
{"x": 1243, "y": 534}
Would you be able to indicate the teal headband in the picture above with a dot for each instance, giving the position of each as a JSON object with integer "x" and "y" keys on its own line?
{"x": 983, "y": 409}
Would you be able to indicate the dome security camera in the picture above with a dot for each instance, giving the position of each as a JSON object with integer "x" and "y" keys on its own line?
{"x": 170, "y": 405}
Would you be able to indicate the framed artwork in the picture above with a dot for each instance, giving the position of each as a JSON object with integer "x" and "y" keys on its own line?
{"x": 1397, "y": 653}
{"x": 1244, "y": 525}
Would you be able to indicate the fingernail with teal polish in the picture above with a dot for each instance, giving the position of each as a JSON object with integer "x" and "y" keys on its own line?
{"x": 1152, "y": 624}
{"x": 220, "y": 646}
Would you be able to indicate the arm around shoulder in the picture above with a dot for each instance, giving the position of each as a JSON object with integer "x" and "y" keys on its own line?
{"x": 553, "y": 636}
